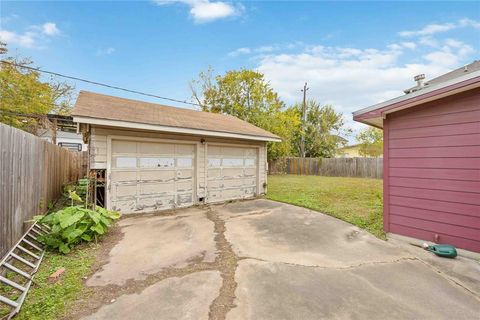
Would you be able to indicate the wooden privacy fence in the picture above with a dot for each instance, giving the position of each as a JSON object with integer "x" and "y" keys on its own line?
{"x": 32, "y": 173}
{"x": 334, "y": 167}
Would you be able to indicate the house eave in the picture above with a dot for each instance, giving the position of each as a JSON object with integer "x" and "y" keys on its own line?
{"x": 375, "y": 114}
{"x": 169, "y": 129}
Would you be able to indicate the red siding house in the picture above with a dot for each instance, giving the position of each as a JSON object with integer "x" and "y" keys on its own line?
{"x": 432, "y": 159}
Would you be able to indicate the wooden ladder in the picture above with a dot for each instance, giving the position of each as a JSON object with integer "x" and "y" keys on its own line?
{"x": 20, "y": 264}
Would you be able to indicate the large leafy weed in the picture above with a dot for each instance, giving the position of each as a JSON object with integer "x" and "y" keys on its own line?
{"x": 74, "y": 224}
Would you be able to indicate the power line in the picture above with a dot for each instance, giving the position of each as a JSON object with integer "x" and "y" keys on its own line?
{"x": 100, "y": 84}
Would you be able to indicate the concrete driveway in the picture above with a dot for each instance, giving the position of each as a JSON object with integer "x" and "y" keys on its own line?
{"x": 261, "y": 259}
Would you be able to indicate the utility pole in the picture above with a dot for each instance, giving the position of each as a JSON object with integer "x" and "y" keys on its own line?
{"x": 304, "y": 120}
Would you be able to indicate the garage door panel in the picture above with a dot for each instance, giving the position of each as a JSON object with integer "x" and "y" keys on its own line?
{"x": 155, "y": 203}
{"x": 232, "y": 162}
{"x": 148, "y": 176}
{"x": 120, "y": 176}
{"x": 126, "y": 162}
{"x": 252, "y": 153}
{"x": 156, "y": 188}
{"x": 184, "y": 174}
{"x": 214, "y": 150}
{"x": 184, "y": 199}
{"x": 232, "y": 151}
{"x": 122, "y": 190}
{"x": 229, "y": 173}
{"x": 156, "y": 162}
{"x": 184, "y": 149}
{"x": 127, "y": 205}
{"x": 249, "y": 182}
{"x": 183, "y": 186}
{"x": 153, "y": 148}
{"x": 250, "y": 172}
{"x": 184, "y": 162}
{"x": 214, "y": 173}
{"x": 121, "y": 146}
{"x": 234, "y": 183}
{"x": 157, "y": 175}
{"x": 232, "y": 173}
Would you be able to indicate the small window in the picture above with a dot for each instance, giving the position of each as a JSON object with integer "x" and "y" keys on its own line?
{"x": 184, "y": 162}
{"x": 153, "y": 162}
{"x": 249, "y": 162}
{"x": 126, "y": 162}
{"x": 71, "y": 146}
{"x": 214, "y": 162}
{"x": 232, "y": 162}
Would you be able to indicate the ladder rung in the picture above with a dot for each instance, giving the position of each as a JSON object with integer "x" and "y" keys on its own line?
{"x": 31, "y": 244}
{"x": 28, "y": 263}
{"x": 14, "y": 269}
{"x": 12, "y": 284}
{"x": 44, "y": 227}
{"x": 32, "y": 236}
{"x": 36, "y": 231}
{"x": 28, "y": 252}
{"x": 11, "y": 303}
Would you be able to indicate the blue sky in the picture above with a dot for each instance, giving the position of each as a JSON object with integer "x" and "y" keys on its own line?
{"x": 352, "y": 54}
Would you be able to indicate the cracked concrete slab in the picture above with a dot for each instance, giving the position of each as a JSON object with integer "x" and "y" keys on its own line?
{"x": 461, "y": 269}
{"x": 245, "y": 208}
{"x": 291, "y": 234}
{"x": 175, "y": 298}
{"x": 152, "y": 243}
{"x": 401, "y": 290}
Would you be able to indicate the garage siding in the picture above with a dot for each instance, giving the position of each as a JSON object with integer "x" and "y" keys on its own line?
{"x": 433, "y": 176}
{"x": 98, "y": 151}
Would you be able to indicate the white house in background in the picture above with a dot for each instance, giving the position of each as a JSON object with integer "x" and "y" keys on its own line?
{"x": 67, "y": 135}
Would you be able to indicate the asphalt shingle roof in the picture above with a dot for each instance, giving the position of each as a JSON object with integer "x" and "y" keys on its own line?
{"x": 99, "y": 106}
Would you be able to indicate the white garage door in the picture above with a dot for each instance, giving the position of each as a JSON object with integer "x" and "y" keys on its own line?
{"x": 232, "y": 173}
{"x": 148, "y": 176}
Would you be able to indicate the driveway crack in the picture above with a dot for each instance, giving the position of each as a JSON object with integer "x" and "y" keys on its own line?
{"x": 227, "y": 262}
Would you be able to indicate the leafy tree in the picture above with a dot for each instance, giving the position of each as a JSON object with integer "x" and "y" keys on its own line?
{"x": 247, "y": 95}
{"x": 324, "y": 130}
{"x": 23, "y": 92}
{"x": 371, "y": 142}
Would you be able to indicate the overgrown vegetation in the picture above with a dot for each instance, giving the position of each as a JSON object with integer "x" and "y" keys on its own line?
{"x": 23, "y": 92}
{"x": 354, "y": 200}
{"x": 74, "y": 224}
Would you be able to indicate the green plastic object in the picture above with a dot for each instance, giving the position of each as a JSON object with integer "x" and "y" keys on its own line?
{"x": 443, "y": 250}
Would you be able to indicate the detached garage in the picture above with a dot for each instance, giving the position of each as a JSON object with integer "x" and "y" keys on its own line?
{"x": 432, "y": 159}
{"x": 156, "y": 157}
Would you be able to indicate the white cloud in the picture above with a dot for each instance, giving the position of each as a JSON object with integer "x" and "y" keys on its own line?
{"x": 239, "y": 51}
{"x": 206, "y": 11}
{"x": 351, "y": 78}
{"x": 429, "y": 30}
{"x": 105, "y": 51}
{"x": 435, "y": 28}
{"x": 50, "y": 29}
{"x": 26, "y": 39}
{"x": 34, "y": 37}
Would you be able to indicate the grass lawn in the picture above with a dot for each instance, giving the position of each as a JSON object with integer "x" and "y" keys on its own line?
{"x": 355, "y": 200}
{"x": 47, "y": 300}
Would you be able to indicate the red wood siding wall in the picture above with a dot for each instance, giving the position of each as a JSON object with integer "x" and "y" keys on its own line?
{"x": 432, "y": 171}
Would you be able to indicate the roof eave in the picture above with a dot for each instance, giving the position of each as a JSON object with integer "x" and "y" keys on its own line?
{"x": 160, "y": 128}
{"x": 378, "y": 111}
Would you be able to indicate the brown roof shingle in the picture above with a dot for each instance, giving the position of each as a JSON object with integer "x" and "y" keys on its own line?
{"x": 94, "y": 105}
